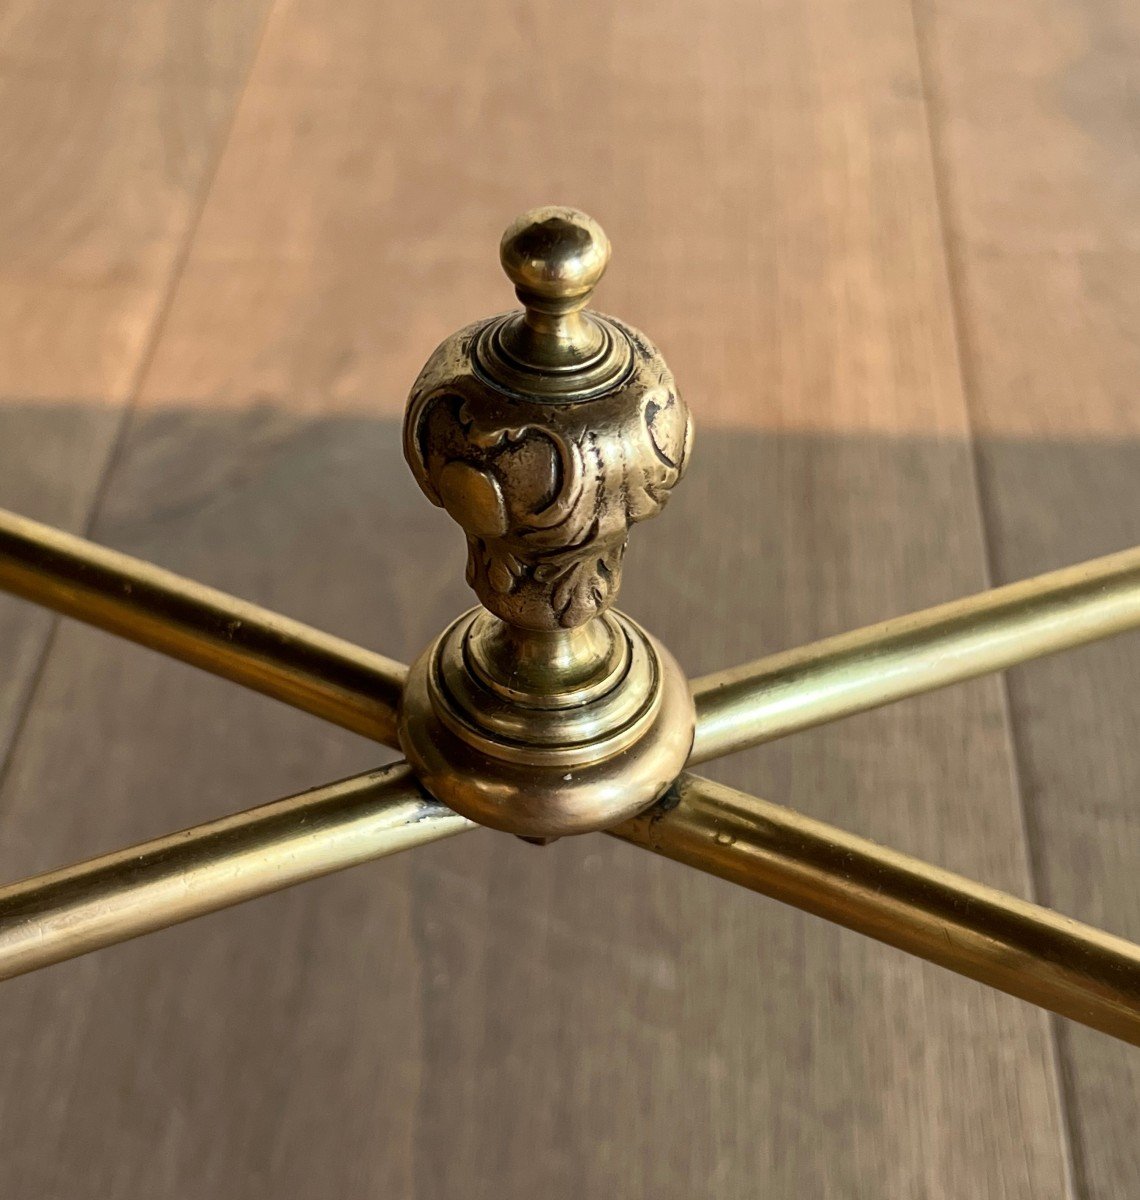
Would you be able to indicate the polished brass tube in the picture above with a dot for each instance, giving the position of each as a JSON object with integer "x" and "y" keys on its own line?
{"x": 323, "y": 675}
{"x": 69, "y": 912}
{"x": 869, "y": 667}
{"x": 1017, "y": 947}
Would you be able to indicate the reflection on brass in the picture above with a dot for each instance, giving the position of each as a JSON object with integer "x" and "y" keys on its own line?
{"x": 546, "y": 434}
{"x": 331, "y": 678}
{"x": 77, "y": 909}
{"x": 866, "y": 668}
{"x": 1020, "y": 948}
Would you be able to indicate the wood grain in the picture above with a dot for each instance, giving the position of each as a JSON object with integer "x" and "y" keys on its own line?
{"x": 1041, "y": 171}
{"x": 765, "y": 175}
{"x": 490, "y": 1019}
{"x": 104, "y": 154}
{"x": 486, "y": 1018}
{"x": 195, "y": 40}
{"x": 111, "y": 116}
{"x": 51, "y": 459}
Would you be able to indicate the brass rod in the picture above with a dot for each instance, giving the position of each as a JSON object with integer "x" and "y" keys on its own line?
{"x": 1007, "y": 943}
{"x": 69, "y": 912}
{"x": 324, "y": 675}
{"x": 997, "y": 939}
{"x": 869, "y": 667}
{"x": 739, "y": 707}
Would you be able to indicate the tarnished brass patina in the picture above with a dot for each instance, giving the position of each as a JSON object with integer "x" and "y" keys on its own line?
{"x": 546, "y": 434}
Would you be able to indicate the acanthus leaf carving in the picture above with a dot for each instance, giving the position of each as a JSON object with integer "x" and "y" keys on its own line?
{"x": 545, "y": 492}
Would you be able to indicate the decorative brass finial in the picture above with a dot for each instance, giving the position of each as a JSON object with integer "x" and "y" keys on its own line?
{"x": 555, "y": 258}
{"x": 553, "y": 350}
{"x": 545, "y": 434}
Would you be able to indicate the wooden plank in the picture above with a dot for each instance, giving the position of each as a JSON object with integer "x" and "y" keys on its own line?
{"x": 110, "y": 119}
{"x": 1042, "y": 190}
{"x": 767, "y": 235}
{"x": 103, "y": 159}
{"x": 101, "y": 173}
{"x": 197, "y": 40}
{"x": 485, "y": 1018}
{"x": 181, "y": 1039}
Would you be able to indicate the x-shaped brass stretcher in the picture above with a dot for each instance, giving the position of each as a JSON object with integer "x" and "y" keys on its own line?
{"x": 546, "y": 434}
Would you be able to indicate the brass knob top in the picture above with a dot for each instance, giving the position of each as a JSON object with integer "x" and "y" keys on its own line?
{"x": 555, "y": 258}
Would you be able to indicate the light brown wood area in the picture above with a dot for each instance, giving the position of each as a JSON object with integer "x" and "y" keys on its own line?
{"x": 892, "y": 254}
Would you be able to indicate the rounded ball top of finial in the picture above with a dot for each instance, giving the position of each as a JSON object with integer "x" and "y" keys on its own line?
{"x": 554, "y": 257}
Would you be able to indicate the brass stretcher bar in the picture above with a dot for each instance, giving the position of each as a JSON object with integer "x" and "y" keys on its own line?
{"x": 349, "y": 686}
{"x": 997, "y": 939}
{"x": 182, "y": 875}
{"x": 869, "y": 667}
{"x": 743, "y": 706}
{"x": 1021, "y": 948}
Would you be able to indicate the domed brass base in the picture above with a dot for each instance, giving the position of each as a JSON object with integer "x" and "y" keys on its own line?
{"x": 546, "y": 735}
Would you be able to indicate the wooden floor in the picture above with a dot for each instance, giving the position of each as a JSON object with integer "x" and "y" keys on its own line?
{"x": 892, "y": 251}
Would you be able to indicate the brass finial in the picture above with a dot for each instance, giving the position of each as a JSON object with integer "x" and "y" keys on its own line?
{"x": 555, "y": 258}
{"x": 546, "y": 434}
{"x": 552, "y": 349}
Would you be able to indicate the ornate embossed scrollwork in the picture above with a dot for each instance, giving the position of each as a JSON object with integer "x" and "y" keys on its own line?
{"x": 545, "y": 492}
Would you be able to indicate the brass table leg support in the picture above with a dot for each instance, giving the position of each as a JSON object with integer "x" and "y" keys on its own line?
{"x": 856, "y": 671}
{"x": 351, "y": 687}
{"x": 72, "y": 911}
{"x": 995, "y": 938}
{"x": 1010, "y": 944}
{"x": 547, "y": 433}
